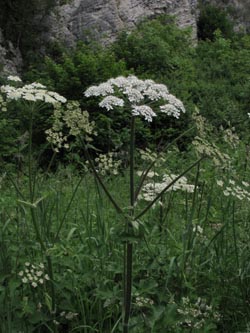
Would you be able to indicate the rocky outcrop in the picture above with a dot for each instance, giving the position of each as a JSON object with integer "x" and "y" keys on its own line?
{"x": 10, "y": 57}
{"x": 103, "y": 19}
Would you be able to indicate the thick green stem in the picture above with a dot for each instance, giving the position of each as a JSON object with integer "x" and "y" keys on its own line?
{"x": 129, "y": 246}
{"x": 30, "y": 157}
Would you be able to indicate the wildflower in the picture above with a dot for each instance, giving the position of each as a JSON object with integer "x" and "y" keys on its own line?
{"x": 144, "y": 111}
{"x": 24, "y": 280}
{"x": 110, "y": 101}
{"x": 103, "y": 89}
{"x": 219, "y": 182}
{"x": 152, "y": 189}
{"x": 72, "y": 121}
{"x": 32, "y": 92}
{"x": 34, "y": 274}
{"x": 106, "y": 163}
{"x": 198, "y": 229}
{"x": 14, "y": 78}
{"x": 136, "y": 92}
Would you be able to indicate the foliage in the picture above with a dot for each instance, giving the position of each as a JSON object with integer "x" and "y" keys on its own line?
{"x": 213, "y": 18}
{"x": 22, "y": 24}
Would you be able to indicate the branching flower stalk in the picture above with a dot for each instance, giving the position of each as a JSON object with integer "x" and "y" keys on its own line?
{"x": 34, "y": 96}
{"x": 134, "y": 95}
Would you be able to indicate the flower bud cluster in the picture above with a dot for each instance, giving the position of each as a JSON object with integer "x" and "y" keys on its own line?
{"x": 108, "y": 164}
{"x": 230, "y": 188}
{"x": 230, "y": 137}
{"x": 203, "y": 147}
{"x": 33, "y": 274}
{"x": 137, "y": 94}
{"x": 143, "y": 301}
{"x": 69, "y": 121}
{"x": 195, "y": 315}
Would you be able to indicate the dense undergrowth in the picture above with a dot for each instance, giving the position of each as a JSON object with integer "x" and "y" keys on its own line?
{"x": 61, "y": 239}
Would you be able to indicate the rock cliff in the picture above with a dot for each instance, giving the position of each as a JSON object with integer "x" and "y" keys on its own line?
{"x": 10, "y": 57}
{"x": 103, "y": 19}
{"x": 81, "y": 19}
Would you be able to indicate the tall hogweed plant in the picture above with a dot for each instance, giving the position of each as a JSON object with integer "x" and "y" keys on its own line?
{"x": 136, "y": 98}
{"x": 34, "y": 97}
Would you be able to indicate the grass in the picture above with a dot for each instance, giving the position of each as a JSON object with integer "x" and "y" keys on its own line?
{"x": 191, "y": 256}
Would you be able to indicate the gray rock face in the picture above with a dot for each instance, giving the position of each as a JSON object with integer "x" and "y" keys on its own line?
{"x": 103, "y": 19}
{"x": 10, "y": 57}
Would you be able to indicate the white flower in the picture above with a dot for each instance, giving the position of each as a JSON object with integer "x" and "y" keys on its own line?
{"x": 110, "y": 101}
{"x": 134, "y": 96}
{"x": 29, "y": 97}
{"x": 24, "y": 280}
{"x": 226, "y": 193}
{"x": 14, "y": 78}
{"x": 34, "y": 284}
{"x": 144, "y": 111}
{"x": 33, "y": 92}
{"x": 136, "y": 92}
{"x": 103, "y": 89}
{"x": 219, "y": 182}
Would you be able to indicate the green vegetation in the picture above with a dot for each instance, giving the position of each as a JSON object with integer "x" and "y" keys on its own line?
{"x": 62, "y": 238}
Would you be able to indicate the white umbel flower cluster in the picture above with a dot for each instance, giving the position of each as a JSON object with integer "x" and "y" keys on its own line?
{"x": 137, "y": 93}
{"x": 69, "y": 120}
{"x": 108, "y": 164}
{"x": 14, "y": 78}
{"x": 33, "y": 274}
{"x": 33, "y": 92}
{"x": 152, "y": 189}
{"x": 230, "y": 188}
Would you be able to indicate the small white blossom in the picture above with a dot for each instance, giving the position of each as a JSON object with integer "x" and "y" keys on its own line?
{"x": 144, "y": 111}
{"x": 14, "y": 78}
{"x": 219, "y": 183}
{"x": 24, "y": 280}
{"x": 110, "y": 101}
{"x": 103, "y": 89}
